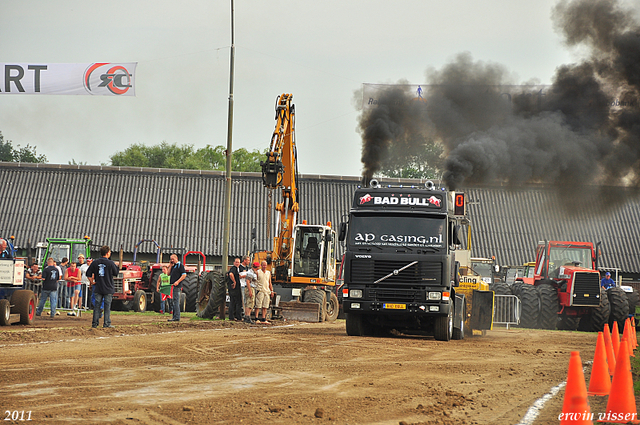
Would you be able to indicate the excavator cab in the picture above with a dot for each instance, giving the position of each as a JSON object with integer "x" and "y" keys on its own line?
{"x": 314, "y": 253}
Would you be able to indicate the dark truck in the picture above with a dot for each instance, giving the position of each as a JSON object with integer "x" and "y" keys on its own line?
{"x": 399, "y": 266}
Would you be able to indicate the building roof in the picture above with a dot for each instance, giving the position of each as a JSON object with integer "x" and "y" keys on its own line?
{"x": 120, "y": 206}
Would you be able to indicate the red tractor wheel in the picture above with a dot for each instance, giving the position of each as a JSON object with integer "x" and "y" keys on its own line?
{"x": 24, "y": 304}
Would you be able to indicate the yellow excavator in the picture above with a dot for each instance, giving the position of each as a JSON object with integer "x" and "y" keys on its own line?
{"x": 303, "y": 258}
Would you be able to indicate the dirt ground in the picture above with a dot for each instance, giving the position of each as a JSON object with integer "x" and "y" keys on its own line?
{"x": 148, "y": 371}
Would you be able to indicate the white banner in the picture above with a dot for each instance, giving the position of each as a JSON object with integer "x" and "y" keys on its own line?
{"x": 101, "y": 79}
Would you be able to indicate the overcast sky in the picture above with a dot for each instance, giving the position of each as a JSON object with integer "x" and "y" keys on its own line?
{"x": 321, "y": 52}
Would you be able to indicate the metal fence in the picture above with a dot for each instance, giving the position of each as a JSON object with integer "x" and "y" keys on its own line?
{"x": 507, "y": 310}
{"x": 64, "y": 295}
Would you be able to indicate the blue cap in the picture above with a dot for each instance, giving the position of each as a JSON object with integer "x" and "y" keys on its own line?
{"x": 607, "y": 274}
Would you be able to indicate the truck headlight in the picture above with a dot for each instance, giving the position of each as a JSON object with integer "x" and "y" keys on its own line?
{"x": 434, "y": 296}
{"x": 355, "y": 293}
{"x": 355, "y": 305}
{"x": 434, "y": 308}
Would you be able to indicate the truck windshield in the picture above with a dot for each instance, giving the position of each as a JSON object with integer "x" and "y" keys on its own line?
{"x": 403, "y": 231}
{"x": 483, "y": 269}
{"x": 566, "y": 256}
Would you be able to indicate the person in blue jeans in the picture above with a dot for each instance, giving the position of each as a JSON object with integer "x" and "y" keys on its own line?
{"x": 100, "y": 274}
{"x": 50, "y": 277}
{"x": 176, "y": 276}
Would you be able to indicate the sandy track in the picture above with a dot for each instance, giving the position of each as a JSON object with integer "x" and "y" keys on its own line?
{"x": 150, "y": 372}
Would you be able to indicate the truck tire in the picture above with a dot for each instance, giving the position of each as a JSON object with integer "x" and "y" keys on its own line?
{"x": 24, "y": 304}
{"x": 190, "y": 289}
{"x": 316, "y": 296}
{"x": 216, "y": 297}
{"x": 619, "y": 307}
{"x": 529, "y": 306}
{"x": 357, "y": 325}
{"x": 596, "y": 319}
{"x": 633, "y": 298}
{"x": 500, "y": 288}
{"x": 140, "y": 301}
{"x": 568, "y": 323}
{"x": 5, "y": 312}
{"x": 443, "y": 326}
{"x": 155, "y": 304}
{"x": 549, "y": 306}
{"x": 333, "y": 308}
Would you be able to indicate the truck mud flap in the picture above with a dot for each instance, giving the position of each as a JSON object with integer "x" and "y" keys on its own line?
{"x": 301, "y": 311}
{"x": 459, "y": 314}
{"x": 482, "y": 310}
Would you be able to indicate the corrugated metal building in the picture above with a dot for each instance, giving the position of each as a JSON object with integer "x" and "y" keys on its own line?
{"x": 119, "y": 206}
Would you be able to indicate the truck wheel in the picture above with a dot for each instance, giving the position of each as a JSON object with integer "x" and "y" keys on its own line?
{"x": 5, "y": 312}
{"x": 155, "y": 305}
{"x": 500, "y": 288}
{"x": 357, "y": 325}
{"x": 568, "y": 323}
{"x": 139, "y": 301}
{"x": 529, "y": 306}
{"x": 549, "y": 305}
{"x": 633, "y": 298}
{"x": 316, "y": 296}
{"x": 619, "y": 307}
{"x": 596, "y": 319}
{"x": 24, "y": 304}
{"x": 458, "y": 334}
{"x": 190, "y": 289}
{"x": 215, "y": 298}
{"x": 443, "y": 326}
{"x": 333, "y": 308}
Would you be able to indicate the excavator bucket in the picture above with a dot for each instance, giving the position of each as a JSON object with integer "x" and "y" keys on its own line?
{"x": 301, "y": 311}
{"x": 482, "y": 310}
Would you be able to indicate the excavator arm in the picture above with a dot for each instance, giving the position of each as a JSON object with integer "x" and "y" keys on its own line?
{"x": 279, "y": 171}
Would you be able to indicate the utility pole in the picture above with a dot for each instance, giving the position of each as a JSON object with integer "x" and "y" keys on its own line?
{"x": 227, "y": 192}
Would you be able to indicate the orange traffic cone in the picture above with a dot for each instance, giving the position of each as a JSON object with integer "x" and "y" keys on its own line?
{"x": 633, "y": 331}
{"x": 611, "y": 358}
{"x": 621, "y": 406}
{"x": 627, "y": 334}
{"x": 600, "y": 381}
{"x": 575, "y": 392}
{"x": 578, "y": 413}
{"x": 615, "y": 339}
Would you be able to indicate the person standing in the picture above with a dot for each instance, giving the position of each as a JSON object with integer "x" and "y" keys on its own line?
{"x": 50, "y": 277}
{"x": 607, "y": 282}
{"x": 162, "y": 286}
{"x": 84, "y": 281}
{"x": 177, "y": 275}
{"x": 100, "y": 274}
{"x": 64, "y": 296}
{"x": 33, "y": 275}
{"x": 264, "y": 292}
{"x": 73, "y": 276}
{"x": 249, "y": 294}
{"x": 235, "y": 294}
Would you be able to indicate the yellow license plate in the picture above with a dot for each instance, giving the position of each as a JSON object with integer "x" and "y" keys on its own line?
{"x": 395, "y": 306}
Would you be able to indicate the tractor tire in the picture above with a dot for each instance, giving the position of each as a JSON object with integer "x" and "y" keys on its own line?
{"x": 516, "y": 287}
{"x": 156, "y": 297}
{"x": 5, "y": 312}
{"x": 619, "y": 307}
{"x": 357, "y": 325}
{"x": 529, "y": 306}
{"x": 24, "y": 304}
{"x": 443, "y": 326}
{"x": 549, "y": 306}
{"x": 333, "y": 308}
{"x": 633, "y": 298}
{"x": 190, "y": 289}
{"x": 183, "y": 301}
{"x": 217, "y": 296}
{"x": 317, "y": 296}
{"x": 598, "y": 317}
{"x": 568, "y": 323}
{"x": 140, "y": 301}
{"x": 500, "y": 288}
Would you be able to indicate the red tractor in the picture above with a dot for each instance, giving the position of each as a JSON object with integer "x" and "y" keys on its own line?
{"x": 565, "y": 292}
{"x": 136, "y": 283}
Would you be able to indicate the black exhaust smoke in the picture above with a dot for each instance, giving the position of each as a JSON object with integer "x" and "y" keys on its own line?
{"x": 582, "y": 131}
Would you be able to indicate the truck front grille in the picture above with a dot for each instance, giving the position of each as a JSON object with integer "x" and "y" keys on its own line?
{"x": 367, "y": 271}
{"x": 586, "y": 289}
